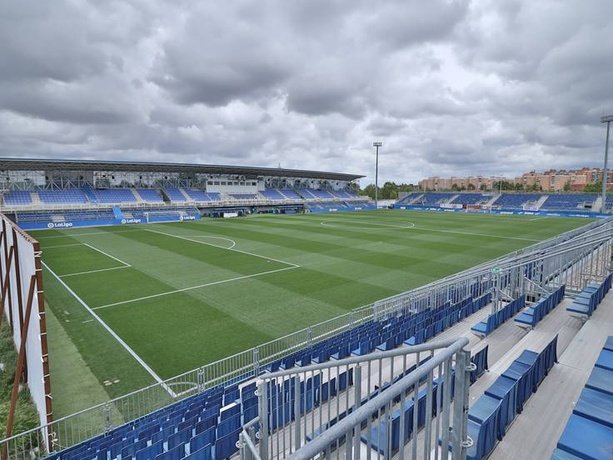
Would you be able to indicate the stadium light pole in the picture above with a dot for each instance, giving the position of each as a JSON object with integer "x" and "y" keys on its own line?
{"x": 606, "y": 119}
{"x": 376, "y": 145}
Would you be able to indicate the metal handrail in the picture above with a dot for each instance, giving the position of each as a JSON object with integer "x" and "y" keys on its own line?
{"x": 329, "y": 436}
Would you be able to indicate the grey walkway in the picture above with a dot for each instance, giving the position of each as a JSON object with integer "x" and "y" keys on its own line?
{"x": 535, "y": 433}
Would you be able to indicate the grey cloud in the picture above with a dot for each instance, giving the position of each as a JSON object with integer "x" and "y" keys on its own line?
{"x": 450, "y": 87}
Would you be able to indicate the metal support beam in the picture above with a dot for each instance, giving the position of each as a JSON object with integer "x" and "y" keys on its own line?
{"x": 20, "y": 361}
{"x": 606, "y": 119}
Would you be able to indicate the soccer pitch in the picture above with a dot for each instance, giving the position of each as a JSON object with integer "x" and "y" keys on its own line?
{"x": 133, "y": 302}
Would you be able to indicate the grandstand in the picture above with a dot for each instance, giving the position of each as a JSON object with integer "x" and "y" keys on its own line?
{"x": 56, "y": 188}
{"x": 572, "y": 203}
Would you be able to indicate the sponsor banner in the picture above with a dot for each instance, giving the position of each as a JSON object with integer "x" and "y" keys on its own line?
{"x": 513, "y": 212}
{"x": 59, "y": 224}
{"x": 97, "y": 222}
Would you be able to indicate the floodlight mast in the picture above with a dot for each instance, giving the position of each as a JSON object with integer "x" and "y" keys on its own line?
{"x": 376, "y": 145}
{"x": 605, "y": 119}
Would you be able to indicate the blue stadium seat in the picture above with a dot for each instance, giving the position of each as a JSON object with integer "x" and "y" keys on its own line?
{"x": 205, "y": 453}
{"x": 586, "y": 439}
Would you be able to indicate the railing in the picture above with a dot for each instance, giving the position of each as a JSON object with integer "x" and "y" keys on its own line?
{"x": 390, "y": 402}
{"x": 573, "y": 258}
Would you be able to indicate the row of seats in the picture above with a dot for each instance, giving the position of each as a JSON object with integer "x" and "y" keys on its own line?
{"x": 589, "y": 431}
{"x": 377, "y": 438}
{"x": 174, "y": 194}
{"x": 491, "y": 415}
{"x": 533, "y": 314}
{"x": 493, "y": 321}
{"x": 557, "y": 201}
{"x": 471, "y": 198}
{"x": 569, "y": 200}
{"x": 204, "y": 427}
{"x": 516, "y": 200}
{"x": 588, "y": 300}
{"x": 387, "y": 334}
{"x": 209, "y": 412}
{"x": 70, "y": 196}
{"x": 435, "y": 321}
{"x": 17, "y": 198}
{"x": 430, "y": 199}
{"x": 313, "y": 392}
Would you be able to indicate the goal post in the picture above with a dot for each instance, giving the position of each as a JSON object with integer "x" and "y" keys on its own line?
{"x": 23, "y": 307}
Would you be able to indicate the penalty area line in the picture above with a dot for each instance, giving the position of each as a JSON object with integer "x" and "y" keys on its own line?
{"x": 220, "y": 247}
{"x": 107, "y": 254}
{"x": 95, "y": 271}
{"x": 113, "y": 333}
{"x": 191, "y": 288}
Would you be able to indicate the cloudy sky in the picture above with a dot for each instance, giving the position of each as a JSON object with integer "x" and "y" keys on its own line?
{"x": 448, "y": 86}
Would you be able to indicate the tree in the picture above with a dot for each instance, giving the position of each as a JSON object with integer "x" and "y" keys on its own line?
{"x": 503, "y": 185}
{"x": 369, "y": 191}
{"x": 567, "y": 186}
{"x": 471, "y": 187}
{"x": 455, "y": 187}
{"x": 389, "y": 191}
{"x": 593, "y": 188}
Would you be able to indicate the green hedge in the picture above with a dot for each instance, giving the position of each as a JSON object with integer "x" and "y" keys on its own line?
{"x": 26, "y": 416}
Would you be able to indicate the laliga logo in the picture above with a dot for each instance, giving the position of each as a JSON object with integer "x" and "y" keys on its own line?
{"x": 123, "y": 221}
{"x": 50, "y": 225}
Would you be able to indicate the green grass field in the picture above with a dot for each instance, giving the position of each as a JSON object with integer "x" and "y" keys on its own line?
{"x": 186, "y": 294}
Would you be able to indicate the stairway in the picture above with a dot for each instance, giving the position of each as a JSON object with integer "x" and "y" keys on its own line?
{"x": 414, "y": 200}
{"x": 35, "y": 198}
{"x": 139, "y": 198}
{"x": 541, "y": 202}
{"x": 597, "y": 205}
{"x": 184, "y": 193}
{"x": 493, "y": 200}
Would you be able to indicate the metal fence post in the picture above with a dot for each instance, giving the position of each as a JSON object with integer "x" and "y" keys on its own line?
{"x": 297, "y": 411}
{"x": 358, "y": 402}
{"x": 107, "y": 411}
{"x": 262, "y": 393}
{"x": 256, "y": 361}
{"x": 461, "y": 405}
{"x": 201, "y": 380}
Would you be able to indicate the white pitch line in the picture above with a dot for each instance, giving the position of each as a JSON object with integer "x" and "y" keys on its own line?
{"x": 113, "y": 333}
{"x": 191, "y": 288}
{"x": 108, "y": 255}
{"x": 219, "y": 247}
{"x": 123, "y": 267}
{"x": 216, "y": 238}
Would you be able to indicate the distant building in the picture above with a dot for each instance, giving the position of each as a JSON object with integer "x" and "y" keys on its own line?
{"x": 548, "y": 181}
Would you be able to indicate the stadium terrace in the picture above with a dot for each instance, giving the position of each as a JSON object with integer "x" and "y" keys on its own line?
{"x": 202, "y": 312}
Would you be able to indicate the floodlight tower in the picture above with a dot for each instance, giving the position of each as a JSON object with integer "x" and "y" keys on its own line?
{"x": 605, "y": 119}
{"x": 376, "y": 145}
